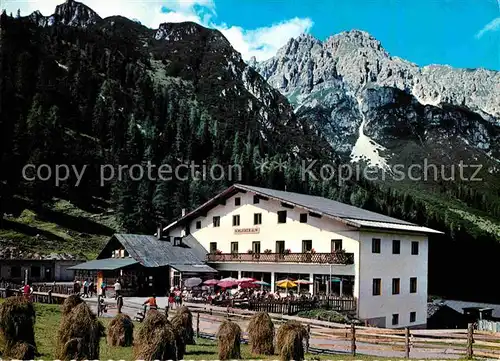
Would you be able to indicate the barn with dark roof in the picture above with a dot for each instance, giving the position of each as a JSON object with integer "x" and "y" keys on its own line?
{"x": 146, "y": 264}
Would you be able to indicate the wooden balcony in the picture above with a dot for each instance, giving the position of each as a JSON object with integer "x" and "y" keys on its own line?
{"x": 316, "y": 258}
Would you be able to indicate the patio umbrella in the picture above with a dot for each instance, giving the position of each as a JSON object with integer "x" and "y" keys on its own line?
{"x": 192, "y": 282}
{"x": 261, "y": 283}
{"x": 286, "y": 283}
{"x": 211, "y": 282}
{"x": 227, "y": 284}
{"x": 248, "y": 285}
{"x": 246, "y": 280}
{"x": 302, "y": 282}
{"x": 228, "y": 279}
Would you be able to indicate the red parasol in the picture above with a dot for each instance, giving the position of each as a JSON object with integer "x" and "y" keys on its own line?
{"x": 212, "y": 282}
{"x": 227, "y": 284}
{"x": 248, "y": 285}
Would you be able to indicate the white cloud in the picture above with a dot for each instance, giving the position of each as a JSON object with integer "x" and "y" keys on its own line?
{"x": 261, "y": 42}
{"x": 493, "y": 25}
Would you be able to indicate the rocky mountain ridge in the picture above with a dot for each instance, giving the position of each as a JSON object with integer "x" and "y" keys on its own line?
{"x": 304, "y": 64}
{"x": 336, "y": 82}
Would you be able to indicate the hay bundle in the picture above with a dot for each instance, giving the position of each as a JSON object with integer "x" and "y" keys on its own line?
{"x": 79, "y": 334}
{"x": 228, "y": 341}
{"x": 121, "y": 331}
{"x": 17, "y": 320}
{"x": 69, "y": 303}
{"x": 156, "y": 339}
{"x": 184, "y": 319}
{"x": 290, "y": 341}
{"x": 261, "y": 334}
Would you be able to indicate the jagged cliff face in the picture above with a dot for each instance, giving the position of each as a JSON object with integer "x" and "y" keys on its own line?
{"x": 375, "y": 107}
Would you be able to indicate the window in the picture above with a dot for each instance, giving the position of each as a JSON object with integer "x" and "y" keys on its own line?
{"x": 377, "y": 283}
{"x": 257, "y": 218}
{"x": 35, "y": 271}
{"x": 281, "y": 216}
{"x": 216, "y": 220}
{"x": 237, "y": 201}
{"x": 395, "y": 319}
{"x": 303, "y": 218}
{"x": 280, "y": 247}
{"x": 396, "y": 246}
{"x": 307, "y": 245}
{"x": 236, "y": 220}
{"x": 213, "y": 247}
{"x": 198, "y": 224}
{"x": 336, "y": 245}
{"x": 376, "y": 245}
{"x": 256, "y": 247}
{"x": 414, "y": 247}
{"x": 413, "y": 285}
{"x": 15, "y": 271}
{"x": 234, "y": 247}
{"x": 177, "y": 241}
{"x": 395, "y": 286}
{"x": 413, "y": 316}
{"x": 256, "y": 199}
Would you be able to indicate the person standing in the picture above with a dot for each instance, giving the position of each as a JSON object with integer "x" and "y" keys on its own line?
{"x": 118, "y": 288}
{"x": 91, "y": 288}
{"x": 26, "y": 291}
{"x": 86, "y": 288}
{"x": 171, "y": 300}
{"x": 103, "y": 288}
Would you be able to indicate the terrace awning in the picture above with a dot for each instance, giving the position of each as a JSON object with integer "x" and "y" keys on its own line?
{"x": 196, "y": 268}
{"x": 106, "y": 264}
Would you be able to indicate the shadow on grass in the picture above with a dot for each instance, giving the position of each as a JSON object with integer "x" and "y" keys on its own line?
{"x": 28, "y": 230}
{"x": 200, "y": 352}
{"x": 75, "y": 223}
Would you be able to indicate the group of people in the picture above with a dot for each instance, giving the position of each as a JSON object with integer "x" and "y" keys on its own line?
{"x": 175, "y": 297}
{"x": 86, "y": 288}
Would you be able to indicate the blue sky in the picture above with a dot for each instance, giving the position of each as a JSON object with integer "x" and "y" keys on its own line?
{"x": 461, "y": 33}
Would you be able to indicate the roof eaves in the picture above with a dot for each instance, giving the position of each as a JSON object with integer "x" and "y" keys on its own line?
{"x": 313, "y": 210}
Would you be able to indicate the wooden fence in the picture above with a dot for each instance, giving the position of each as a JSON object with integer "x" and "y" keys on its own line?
{"x": 290, "y": 307}
{"x": 350, "y": 339}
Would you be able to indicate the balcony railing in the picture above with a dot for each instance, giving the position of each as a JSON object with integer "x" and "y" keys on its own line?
{"x": 321, "y": 258}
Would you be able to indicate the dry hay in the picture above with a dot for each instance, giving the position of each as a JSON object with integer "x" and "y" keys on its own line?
{"x": 17, "y": 320}
{"x": 156, "y": 339}
{"x": 261, "y": 334}
{"x": 290, "y": 341}
{"x": 184, "y": 319}
{"x": 284, "y": 329}
{"x": 69, "y": 303}
{"x": 79, "y": 334}
{"x": 228, "y": 341}
{"x": 121, "y": 331}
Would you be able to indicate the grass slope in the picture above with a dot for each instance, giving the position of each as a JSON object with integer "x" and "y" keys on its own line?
{"x": 61, "y": 228}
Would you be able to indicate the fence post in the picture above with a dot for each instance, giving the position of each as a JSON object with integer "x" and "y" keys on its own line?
{"x": 470, "y": 340}
{"x": 308, "y": 337}
{"x": 353, "y": 340}
{"x": 407, "y": 342}
{"x": 198, "y": 325}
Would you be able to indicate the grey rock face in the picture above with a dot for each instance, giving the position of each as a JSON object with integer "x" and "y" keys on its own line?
{"x": 371, "y": 105}
{"x": 357, "y": 59}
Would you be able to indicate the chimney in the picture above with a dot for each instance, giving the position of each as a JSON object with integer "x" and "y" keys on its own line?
{"x": 183, "y": 212}
{"x": 159, "y": 231}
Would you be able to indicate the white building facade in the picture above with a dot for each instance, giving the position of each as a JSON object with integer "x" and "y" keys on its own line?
{"x": 272, "y": 235}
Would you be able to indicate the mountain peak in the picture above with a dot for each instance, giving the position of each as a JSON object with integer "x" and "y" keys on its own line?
{"x": 74, "y": 13}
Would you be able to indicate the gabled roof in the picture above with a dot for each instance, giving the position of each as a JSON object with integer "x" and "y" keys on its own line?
{"x": 347, "y": 214}
{"x": 149, "y": 251}
{"x": 105, "y": 264}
